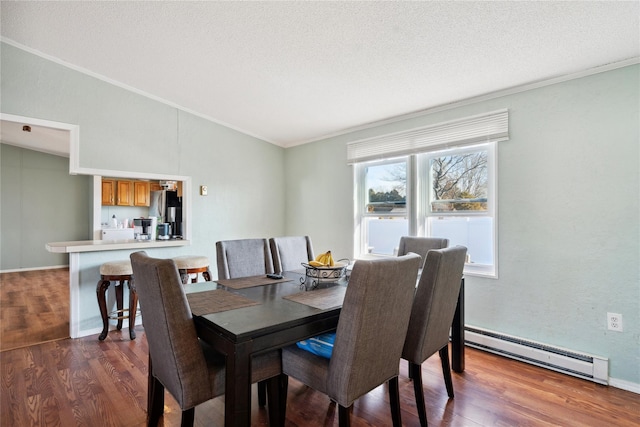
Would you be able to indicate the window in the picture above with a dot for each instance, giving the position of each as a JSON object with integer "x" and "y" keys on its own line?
{"x": 455, "y": 199}
{"x": 385, "y": 206}
{"x": 440, "y": 189}
{"x": 460, "y": 202}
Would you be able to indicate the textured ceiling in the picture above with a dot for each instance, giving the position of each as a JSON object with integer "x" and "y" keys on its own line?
{"x": 293, "y": 72}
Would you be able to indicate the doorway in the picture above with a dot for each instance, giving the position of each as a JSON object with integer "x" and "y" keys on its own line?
{"x": 35, "y": 298}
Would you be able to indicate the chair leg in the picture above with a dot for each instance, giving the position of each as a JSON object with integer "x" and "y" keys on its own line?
{"x": 188, "y": 417}
{"x": 133, "y": 305}
{"x": 101, "y": 291}
{"x": 344, "y": 416}
{"x": 119, "y": 305}
{"x": 409, "y": 370}
{"x": 416, "y": 372}
{"x": 184, "y": 277}
{"x": 446, "y": 369}
{"x": 155, "y": 401}
{"x": 262, "y": 393}
{"x": 394, "y": 400}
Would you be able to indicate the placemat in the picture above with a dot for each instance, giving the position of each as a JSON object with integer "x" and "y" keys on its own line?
{"x": 208, "y": 302}
{"x": 322, "y": 299}
{"x": 248, "y": 282}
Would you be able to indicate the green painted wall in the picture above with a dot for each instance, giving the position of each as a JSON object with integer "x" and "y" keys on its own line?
{"x": 569, "y": 214}
{"x": 40, "y": 203}
{"x": 122, "y": 131}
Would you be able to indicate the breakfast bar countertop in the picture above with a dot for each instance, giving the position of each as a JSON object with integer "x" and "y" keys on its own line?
{"x": 111, "y": 245}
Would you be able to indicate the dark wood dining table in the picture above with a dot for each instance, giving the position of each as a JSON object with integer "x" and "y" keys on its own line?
{"x": 255, "y": 315}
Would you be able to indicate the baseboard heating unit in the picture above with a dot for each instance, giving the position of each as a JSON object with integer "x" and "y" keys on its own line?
{"x": 586, "y": 366}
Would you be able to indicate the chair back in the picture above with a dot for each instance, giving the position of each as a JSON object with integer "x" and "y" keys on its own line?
{"x": 176, "y": 355}
{"x": 290, "y": 252}
{"x": 434, "y": 304}
{"x": 372, "y": 326}
{"x": 420, "y": 245}
{"x": 243, "y": 258}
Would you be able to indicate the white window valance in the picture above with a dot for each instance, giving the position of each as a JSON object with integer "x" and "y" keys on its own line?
{"x": 493, "y": 126}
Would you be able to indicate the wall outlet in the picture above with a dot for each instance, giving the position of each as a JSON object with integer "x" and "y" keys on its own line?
{"x": 614, "y": 322}
{"x": 203, "y": 190}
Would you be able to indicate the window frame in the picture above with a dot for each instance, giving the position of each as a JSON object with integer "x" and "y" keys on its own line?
{"x": 418, "y": 198}
{"x": 361, "y": 199}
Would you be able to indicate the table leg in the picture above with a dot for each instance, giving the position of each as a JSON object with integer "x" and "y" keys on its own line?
{"x": 457, "y": 334}
{"x": 237, "y": 410}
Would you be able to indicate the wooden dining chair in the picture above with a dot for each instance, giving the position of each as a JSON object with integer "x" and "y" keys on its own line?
{"x": 369, "y": 337}
{"x": 432, "y": 313}
{"x": 244, "y": 258}
{"x": 290, "y": 252}
{"x": 178, "y": 361}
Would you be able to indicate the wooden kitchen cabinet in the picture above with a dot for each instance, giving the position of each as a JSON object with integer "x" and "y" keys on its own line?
{"x": 141, "y": 194}
{"x": 108, "y": 192}
{"x": 124, "y": 193}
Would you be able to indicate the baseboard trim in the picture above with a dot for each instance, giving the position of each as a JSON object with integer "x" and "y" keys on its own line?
{"x": 19, "y": 270}
{"x": 624, "y": 385}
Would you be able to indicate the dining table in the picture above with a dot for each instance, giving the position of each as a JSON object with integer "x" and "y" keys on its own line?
{"x": 248, "y": 316}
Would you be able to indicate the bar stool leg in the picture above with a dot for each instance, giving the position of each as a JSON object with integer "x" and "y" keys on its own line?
{"x": 207, "y": 275}
{"x": 101, "y": 290}
{"x": 133, "y": 305}
{"x": 119, "y": 305}
{"x": 184, "y": 276}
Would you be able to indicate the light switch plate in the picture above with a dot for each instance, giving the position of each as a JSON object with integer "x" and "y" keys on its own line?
{"x": 203, "y": 190}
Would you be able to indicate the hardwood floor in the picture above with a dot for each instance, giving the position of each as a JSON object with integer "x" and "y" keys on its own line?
{"x": 84, "y": 382}
{"x": 34, "y": 307}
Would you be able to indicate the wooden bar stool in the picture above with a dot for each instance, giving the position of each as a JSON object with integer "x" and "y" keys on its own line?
{"x": 193, "y": 264}
{"x": 117, "y": 271}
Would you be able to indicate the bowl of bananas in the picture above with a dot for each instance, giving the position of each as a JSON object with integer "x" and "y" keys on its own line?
{"x": 323, "y": 269}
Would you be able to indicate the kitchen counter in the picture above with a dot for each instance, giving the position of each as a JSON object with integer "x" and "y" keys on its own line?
{"x": 111, "y": 245}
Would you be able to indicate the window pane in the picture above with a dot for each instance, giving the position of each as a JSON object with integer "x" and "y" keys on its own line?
{"x": 386, "y": 187}
{"x": 459, "y": 182}
{"x": 383, "y": 234}
{"x": 474, "y": 232}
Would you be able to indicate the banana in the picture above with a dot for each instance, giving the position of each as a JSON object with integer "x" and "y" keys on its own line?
{"x": 323, "y": 260}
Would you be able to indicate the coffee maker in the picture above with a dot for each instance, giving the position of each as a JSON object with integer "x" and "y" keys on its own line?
{"x": 167, "y": 206}
{"x": 145, "y": 228}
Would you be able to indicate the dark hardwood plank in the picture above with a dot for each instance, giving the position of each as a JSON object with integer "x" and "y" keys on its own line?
{"x": 87, "y": 382}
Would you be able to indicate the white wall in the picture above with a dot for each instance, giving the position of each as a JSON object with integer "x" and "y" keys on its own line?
{"x": 569, "y": 237}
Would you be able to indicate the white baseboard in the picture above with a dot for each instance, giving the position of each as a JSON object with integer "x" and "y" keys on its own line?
{"x": 624, "y": 385}
{"x": 50, "y": 267}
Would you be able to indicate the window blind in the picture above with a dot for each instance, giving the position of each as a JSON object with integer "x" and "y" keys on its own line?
{"x": 493, "y": 126}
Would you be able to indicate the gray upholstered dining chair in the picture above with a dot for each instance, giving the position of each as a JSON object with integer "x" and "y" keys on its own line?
{"x": 243, "y": 258}
{"x": 180, "y": 362}
{"x": 369, "y": 337}
{"x": 432, "y": 313}
{"x": 420, "y": 245}
{"x": 290, "y": 252}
